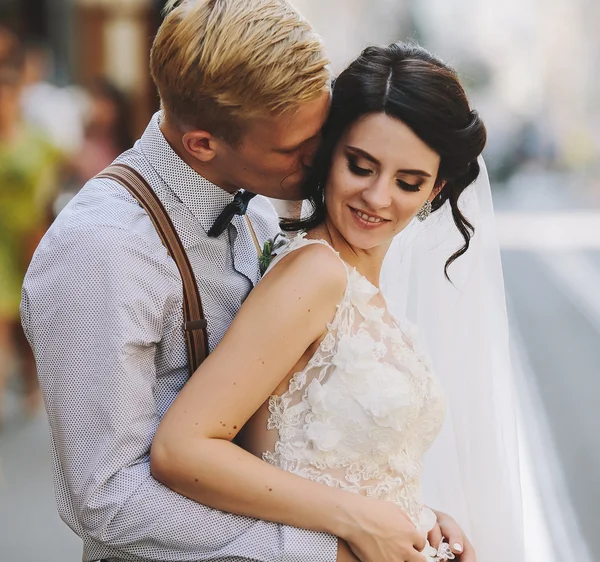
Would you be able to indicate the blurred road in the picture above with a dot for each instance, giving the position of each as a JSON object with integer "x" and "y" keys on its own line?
{"x": 549, "y": 228}
{"x": 553, "y": 291}
{"x": 30, "y": 528}
{"x": 559, "y": 353}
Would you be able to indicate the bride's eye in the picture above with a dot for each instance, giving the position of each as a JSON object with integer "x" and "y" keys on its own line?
{"x": 355, "y": 168}
{"x": 408, "y": 186}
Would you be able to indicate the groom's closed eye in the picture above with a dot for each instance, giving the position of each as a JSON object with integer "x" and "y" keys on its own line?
{"x": 296, "y": 148}
{"x": 289, "y": 150}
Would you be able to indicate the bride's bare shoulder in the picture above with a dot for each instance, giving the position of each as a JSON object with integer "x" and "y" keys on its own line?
{"x": 309, "y": 266}
{"x": 313, "y": 259}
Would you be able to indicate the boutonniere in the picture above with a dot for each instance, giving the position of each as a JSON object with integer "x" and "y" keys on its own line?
{"x": 269, "y": 251}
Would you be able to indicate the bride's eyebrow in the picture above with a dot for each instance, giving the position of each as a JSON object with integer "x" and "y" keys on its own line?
{"x": 371, "y": 158}
{"x": 364, "y": 154}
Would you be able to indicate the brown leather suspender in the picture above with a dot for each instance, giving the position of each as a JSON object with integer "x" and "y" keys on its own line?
{"x": 195, "y": 325}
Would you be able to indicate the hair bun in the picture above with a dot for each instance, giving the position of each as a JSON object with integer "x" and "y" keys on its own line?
{"x": 473, "y": 135}
{"x": 472, "y": 172}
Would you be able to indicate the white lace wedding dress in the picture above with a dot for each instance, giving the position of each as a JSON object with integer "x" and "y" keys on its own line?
{"x": 364, "y": 410}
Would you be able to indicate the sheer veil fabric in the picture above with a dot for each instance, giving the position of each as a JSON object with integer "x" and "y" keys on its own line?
{"x": 472, "y": 469}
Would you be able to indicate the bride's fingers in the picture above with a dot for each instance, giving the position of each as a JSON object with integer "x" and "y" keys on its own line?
{"x": 468, "y": 552}
{"x": 457, "y": 540}
{"x": 435, "y": 536}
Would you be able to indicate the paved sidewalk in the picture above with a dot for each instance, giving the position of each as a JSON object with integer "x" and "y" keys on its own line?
{"x": 30, "y": 528}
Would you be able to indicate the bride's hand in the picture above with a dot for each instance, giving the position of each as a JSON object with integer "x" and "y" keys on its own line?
{"x": 447, "y": 527}
{"x": 379, "y": 531}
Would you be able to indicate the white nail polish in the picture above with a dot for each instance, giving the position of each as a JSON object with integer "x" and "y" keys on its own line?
{"x": 457, "y": 546}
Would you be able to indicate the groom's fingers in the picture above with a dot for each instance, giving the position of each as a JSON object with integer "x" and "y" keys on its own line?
{"x": 435, "y": 536}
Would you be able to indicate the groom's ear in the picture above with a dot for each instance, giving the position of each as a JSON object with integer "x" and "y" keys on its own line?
{"x": 200, "y": 144}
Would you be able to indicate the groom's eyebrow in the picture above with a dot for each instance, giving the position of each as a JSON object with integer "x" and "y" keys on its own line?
{"x": 374, "y": 160}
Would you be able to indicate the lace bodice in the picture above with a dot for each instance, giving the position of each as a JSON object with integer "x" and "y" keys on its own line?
{"x": 366, "y": 407}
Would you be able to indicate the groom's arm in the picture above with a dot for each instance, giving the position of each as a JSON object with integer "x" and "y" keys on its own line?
{"x": 95, "y": 305}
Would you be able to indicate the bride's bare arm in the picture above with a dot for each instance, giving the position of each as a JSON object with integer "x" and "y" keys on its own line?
{"x": 193, "y": 453}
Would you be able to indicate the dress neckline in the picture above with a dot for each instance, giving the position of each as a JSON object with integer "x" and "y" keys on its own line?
{"x": 302, "y": 237}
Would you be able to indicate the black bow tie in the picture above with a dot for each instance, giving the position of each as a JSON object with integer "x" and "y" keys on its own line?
{"x": 238, "y": 206}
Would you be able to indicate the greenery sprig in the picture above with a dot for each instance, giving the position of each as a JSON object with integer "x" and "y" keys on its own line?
{"x": 269, "y": 251}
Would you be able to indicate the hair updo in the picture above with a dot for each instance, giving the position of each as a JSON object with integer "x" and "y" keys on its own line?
{"x": 408, "y": 83}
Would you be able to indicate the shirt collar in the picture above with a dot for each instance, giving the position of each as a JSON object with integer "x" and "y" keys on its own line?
{"x": 203, "y": 198}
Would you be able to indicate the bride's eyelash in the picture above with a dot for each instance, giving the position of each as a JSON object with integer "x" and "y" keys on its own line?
{"x": 355, "y": 168}
{"x": 409, "y": 186}
{"x": 363, "y": 172}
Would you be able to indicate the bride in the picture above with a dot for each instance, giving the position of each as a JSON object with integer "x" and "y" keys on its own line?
{"x": 315, "y": 375}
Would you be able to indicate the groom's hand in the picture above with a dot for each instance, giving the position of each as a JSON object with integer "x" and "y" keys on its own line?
{"x": 447, "y": 527}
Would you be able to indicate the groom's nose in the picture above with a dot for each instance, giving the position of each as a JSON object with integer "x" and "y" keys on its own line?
{"x": 308, "y": 152}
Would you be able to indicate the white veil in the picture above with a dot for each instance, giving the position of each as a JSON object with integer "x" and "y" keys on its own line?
{"x": 472, "y": 469}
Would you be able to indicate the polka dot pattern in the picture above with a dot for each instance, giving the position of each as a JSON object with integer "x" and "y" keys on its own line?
{"x": 102, "y": 308}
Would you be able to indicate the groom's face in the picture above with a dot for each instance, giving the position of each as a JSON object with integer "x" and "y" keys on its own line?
{"x": 275, "y": 152}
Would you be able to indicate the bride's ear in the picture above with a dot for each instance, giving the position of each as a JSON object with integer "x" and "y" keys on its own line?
{"x": 437, "y": 190}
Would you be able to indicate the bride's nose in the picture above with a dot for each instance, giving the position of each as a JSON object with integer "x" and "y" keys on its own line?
{"x": 378, "y": 195}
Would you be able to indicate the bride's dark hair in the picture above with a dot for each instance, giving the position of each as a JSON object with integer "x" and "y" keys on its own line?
{"x": 408, "y": 83}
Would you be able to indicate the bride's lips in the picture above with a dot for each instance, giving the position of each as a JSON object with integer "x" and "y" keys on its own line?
{"x": 362, "y": 223}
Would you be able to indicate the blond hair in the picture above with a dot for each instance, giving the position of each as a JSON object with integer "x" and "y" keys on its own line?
{"x": 218, "y": 63}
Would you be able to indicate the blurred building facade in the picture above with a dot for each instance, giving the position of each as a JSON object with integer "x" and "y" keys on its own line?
{"x": 91, "y": 39}
{"x": 347, "y": 26}
{"x": 113, "y": 39}
{"x": 539, "y": 57}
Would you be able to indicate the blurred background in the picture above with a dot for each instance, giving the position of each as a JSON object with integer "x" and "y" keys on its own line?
{"x": 83, "y": 95}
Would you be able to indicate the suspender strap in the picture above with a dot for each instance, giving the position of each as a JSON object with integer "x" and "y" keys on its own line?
{"x": 195, "y": 325}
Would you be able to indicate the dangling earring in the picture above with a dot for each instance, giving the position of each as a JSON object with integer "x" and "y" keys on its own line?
{"x": 424, "y": 211}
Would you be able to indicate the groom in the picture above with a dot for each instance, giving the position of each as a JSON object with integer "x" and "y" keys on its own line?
{"x": 244, "y": 86}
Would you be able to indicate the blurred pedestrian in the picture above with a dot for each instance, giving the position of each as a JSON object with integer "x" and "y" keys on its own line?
{"x": 56, "y": 110}
{"x": 27, "y": 178}
{"x": 107, "y": 130}
{"x": 106, "y": 134}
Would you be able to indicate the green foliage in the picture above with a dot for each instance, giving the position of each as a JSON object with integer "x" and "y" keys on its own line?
{"x": 269, "y": 251}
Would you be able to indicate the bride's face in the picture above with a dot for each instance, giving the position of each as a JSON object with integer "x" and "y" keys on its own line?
{"x": 381, "y": 175}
